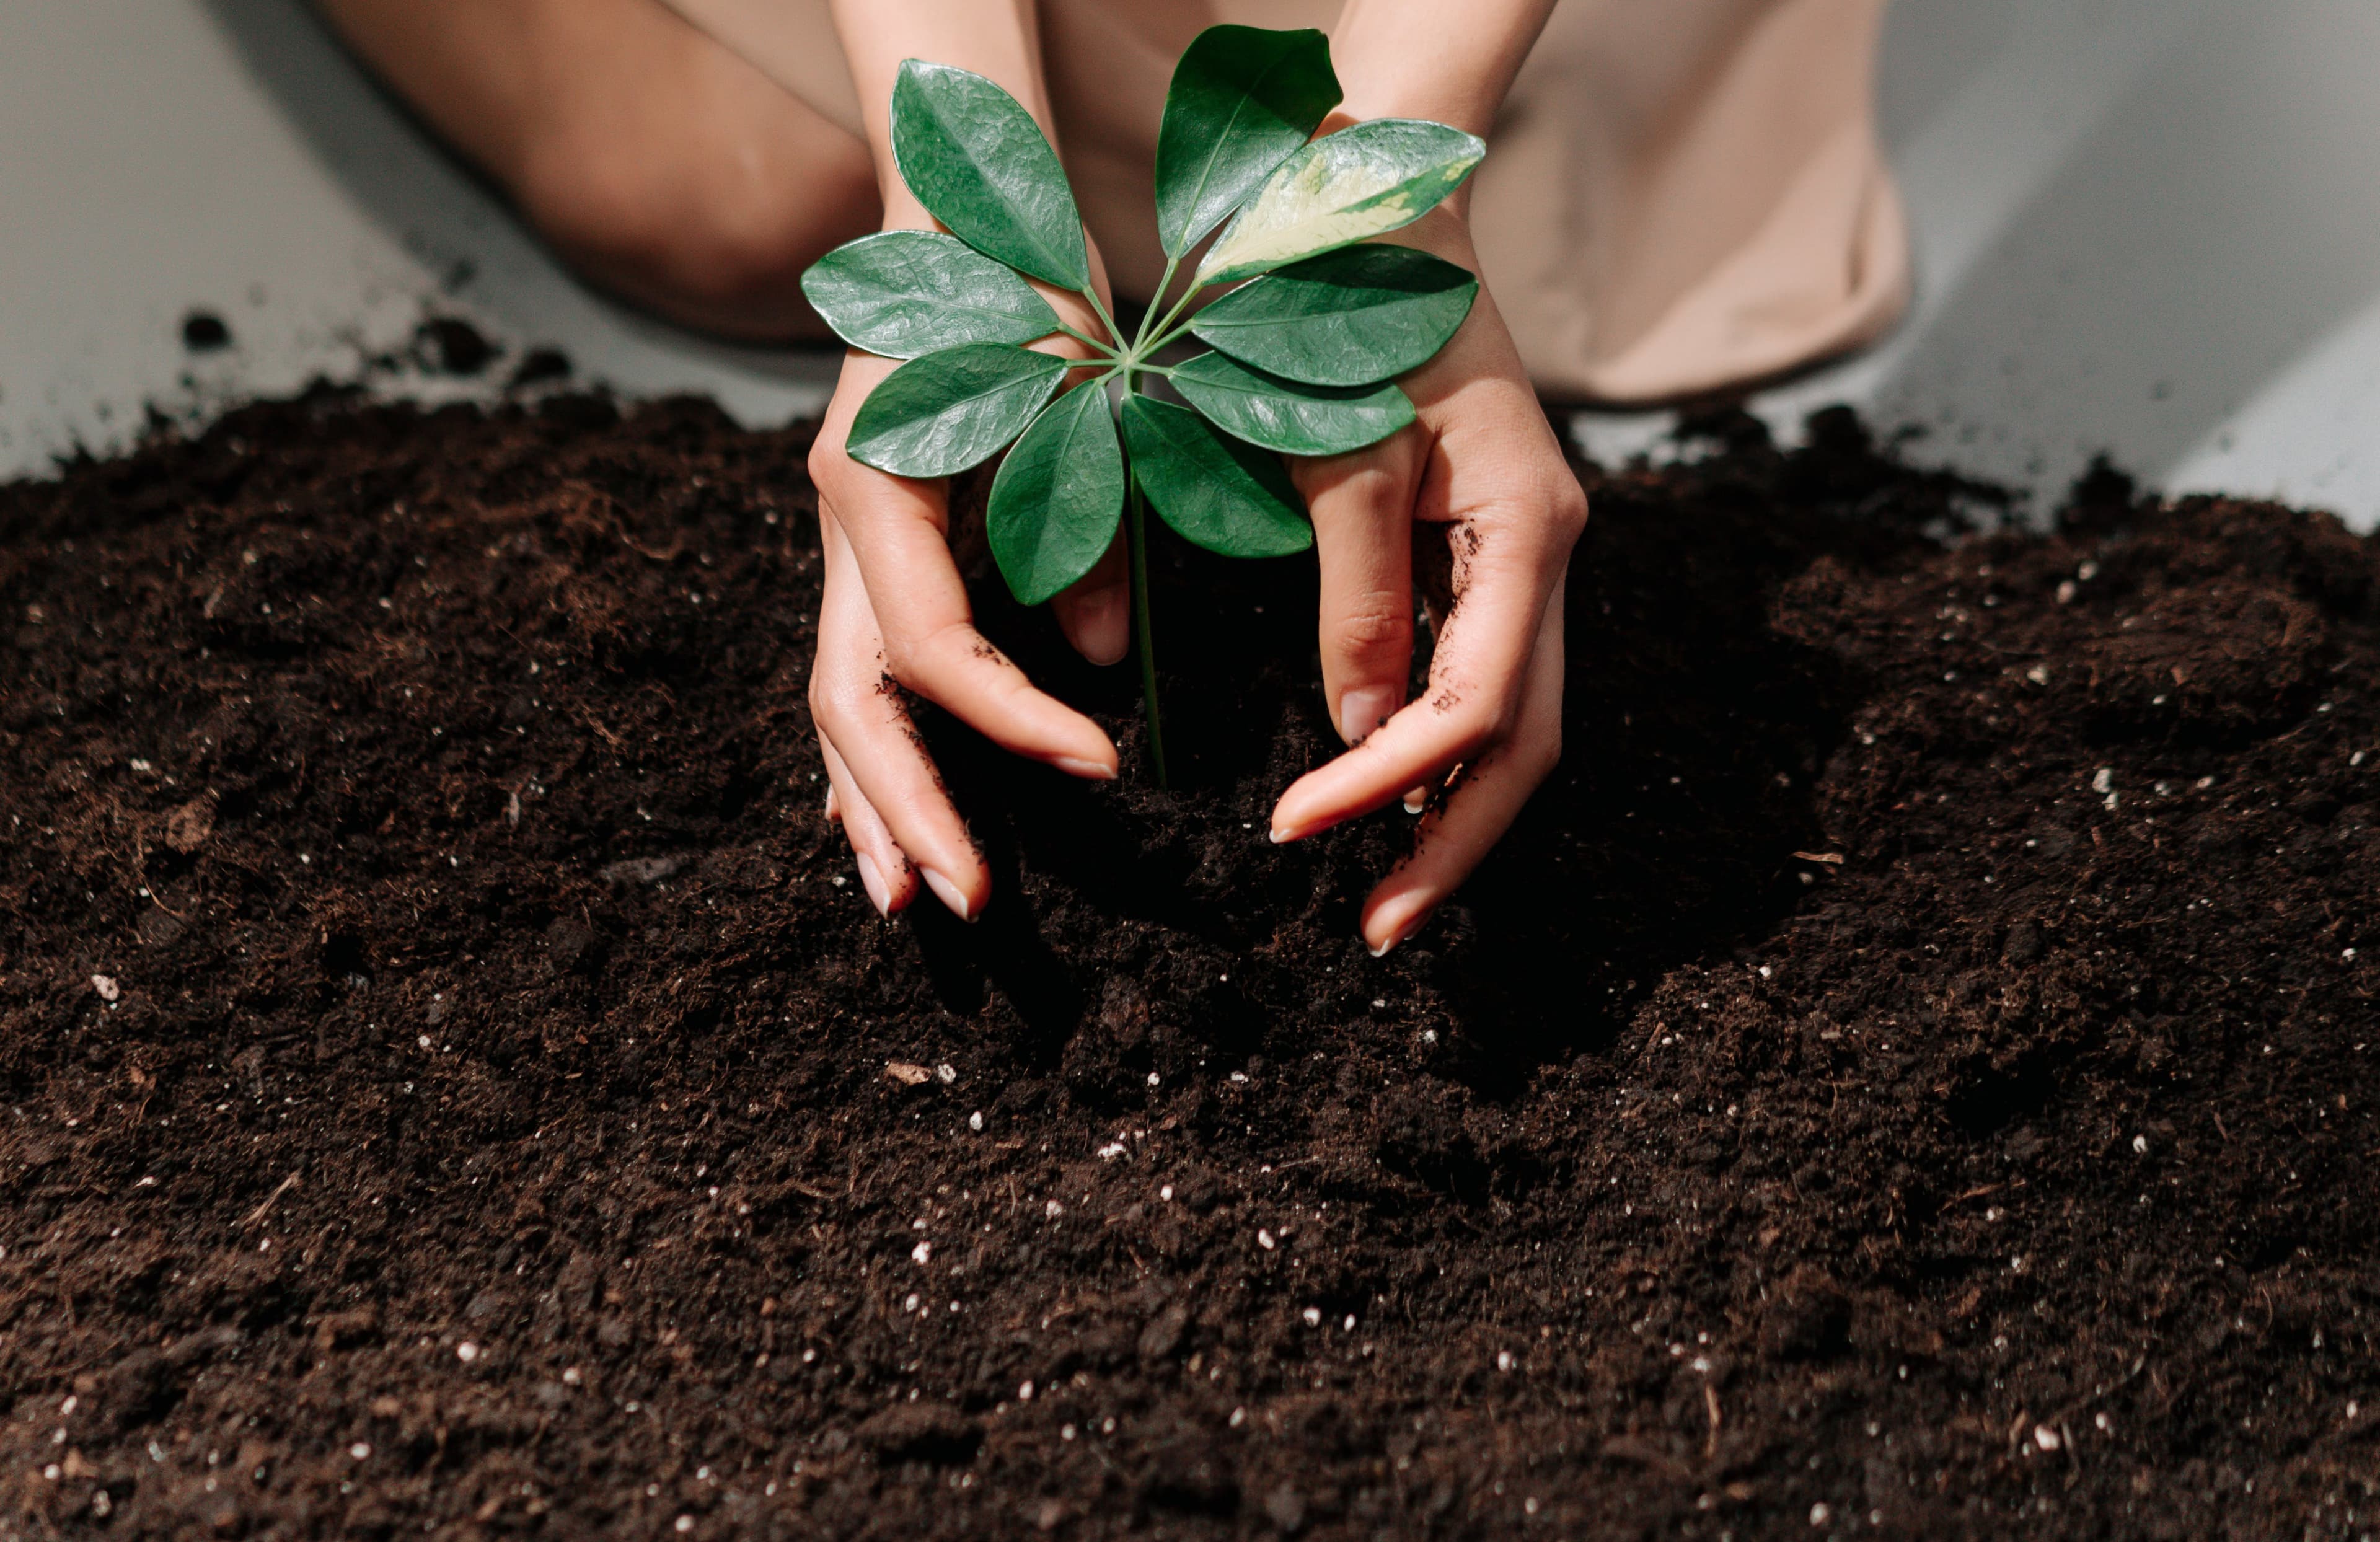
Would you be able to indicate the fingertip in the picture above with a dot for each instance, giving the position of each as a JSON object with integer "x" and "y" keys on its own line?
{"x": 872, "y": 879}
{"x": 1080, "y": 747}
{"x": 965, "y": 904}
{"x": 1390, "y": 920}
{"x": 1096, "y": 611}
{"x": 1099, "y": 623}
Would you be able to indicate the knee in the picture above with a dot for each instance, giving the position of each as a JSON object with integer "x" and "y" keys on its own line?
{"x": 708, "y": 233}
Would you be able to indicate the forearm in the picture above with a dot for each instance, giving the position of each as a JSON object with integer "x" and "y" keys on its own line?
{"x": 994, "y": 38}
{"x": 1431, "y": 59}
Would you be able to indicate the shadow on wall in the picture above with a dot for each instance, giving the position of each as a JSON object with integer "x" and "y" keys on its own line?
{"x": 2199, "y": 238}
{"x": 396, "y": 171}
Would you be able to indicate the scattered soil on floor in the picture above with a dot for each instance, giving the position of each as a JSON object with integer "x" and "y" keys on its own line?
{"x": 1911, "y": 1073}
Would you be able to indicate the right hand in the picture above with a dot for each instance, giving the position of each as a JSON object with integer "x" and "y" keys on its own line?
{"x": 894, "y": 618}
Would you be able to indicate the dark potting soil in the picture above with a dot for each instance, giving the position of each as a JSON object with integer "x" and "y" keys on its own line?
{"x": 1910, "y": 1073}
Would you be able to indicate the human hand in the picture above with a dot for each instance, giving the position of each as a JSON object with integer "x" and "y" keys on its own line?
{"x": 895, "y": 617}
{"x": 1481, "y": 461}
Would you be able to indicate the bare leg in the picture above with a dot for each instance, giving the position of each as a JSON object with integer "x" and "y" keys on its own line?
{"x": 659, "y": 164}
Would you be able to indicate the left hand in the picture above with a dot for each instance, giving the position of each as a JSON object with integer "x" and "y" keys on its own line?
{"x": 1482, "y": 461}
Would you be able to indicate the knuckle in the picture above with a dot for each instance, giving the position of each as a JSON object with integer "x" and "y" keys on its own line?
{"x": 833, "y": 709}
{"x": 829, "y": 466}
{"x": 1377, "y": 622}
{"x": 1568, "y": 506}
{"x": 910, "y": 653}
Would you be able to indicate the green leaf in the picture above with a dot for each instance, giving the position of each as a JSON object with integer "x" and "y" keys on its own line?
{"x": 982, "y": 165}
{"x": 1224, "y": 495}
{"x": 906, "y": 293}
{"x": 1243, "y": 100}
{"x": 1282, "y": 415}
{"x": 1058, "y": 496}
{"x": 1342, "y": 188}
{"x": 936, "y": 416}
{"x": 1357, "y": 314}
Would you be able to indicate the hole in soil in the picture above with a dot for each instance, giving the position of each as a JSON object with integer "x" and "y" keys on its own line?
{"x": 1988, "y": 1101}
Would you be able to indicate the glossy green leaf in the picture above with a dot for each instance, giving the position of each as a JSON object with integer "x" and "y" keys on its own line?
{"x": 907, "y": 293}
{"x": 1226, "y": 496}
{"x": 1342, "y": 189}
{"x": 1058, "y": 496}
{"x": 1286, "y": 416}
{"x": 1348, "y": 317}
{"x": 936, "y": 416}
{"x": 1243, "y": 100}
{"x": 982, "y": 165}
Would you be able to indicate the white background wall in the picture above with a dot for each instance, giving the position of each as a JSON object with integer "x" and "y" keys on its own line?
{"x": 2145, "y": 226}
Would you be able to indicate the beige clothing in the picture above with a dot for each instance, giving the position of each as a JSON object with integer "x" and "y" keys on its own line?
{"x": 1680, "y": 196}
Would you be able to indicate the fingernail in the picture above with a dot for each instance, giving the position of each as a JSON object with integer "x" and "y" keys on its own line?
{"x": 1415, "y": 805}
{"x": 1091, "y": 770}
{"x": 1362, "y": 711}
{"x": 830, "y": 803}
{"x": 1398, "y": 935}
{"x": 879, "y": 893}
{"x": 1280, "y": 836}
{"x": 948, "y": 892}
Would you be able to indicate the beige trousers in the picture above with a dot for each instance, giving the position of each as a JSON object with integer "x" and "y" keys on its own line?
{"x": 1681, "y": 196}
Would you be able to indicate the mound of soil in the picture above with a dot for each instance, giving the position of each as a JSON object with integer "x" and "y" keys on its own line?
{"x": 1911, "y": 1073}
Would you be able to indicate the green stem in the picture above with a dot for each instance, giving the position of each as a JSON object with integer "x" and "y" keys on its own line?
{"x": 1154, "y": 301}
{"x": 1166, "y": 332}
{"x": 1084, "y": 337}
{"x": 1137, "y": 534}
{"x": 1098, "y": 307}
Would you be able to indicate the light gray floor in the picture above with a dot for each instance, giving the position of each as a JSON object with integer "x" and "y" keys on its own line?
{"x": 2150, "y": 227}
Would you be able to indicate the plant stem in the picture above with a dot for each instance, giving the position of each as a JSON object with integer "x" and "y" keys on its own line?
{"x": 1084, "y": 337}
{"x": 1137, "y": 534}
{"x": 1154, "y": 301}
{"x": 1165, "y": 330}
{"x": 1098, "y": 307}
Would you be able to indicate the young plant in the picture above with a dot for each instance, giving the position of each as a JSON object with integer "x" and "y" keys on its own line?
{"x": 1302, "y": 357}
